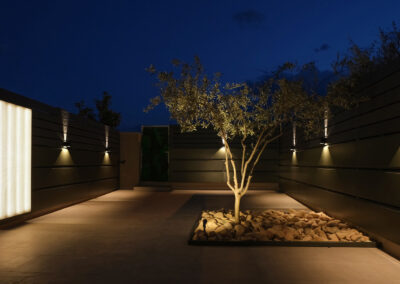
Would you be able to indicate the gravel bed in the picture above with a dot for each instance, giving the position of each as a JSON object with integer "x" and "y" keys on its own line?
{"x": 274, "y": 225}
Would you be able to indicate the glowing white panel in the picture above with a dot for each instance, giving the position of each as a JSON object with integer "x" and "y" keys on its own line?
{"x": 15, "y": 159}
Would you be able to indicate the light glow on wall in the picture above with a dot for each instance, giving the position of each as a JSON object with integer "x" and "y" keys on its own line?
{"x": 396, "y": 159}
{"x": 64, "y": 158}
{"x": 294, "y": 157}
{"x": 326, "y": 124}
{"x": 293, "y": 148}
{"x": 15, "y": 159}
{"x": 107, "y": 134}
{"x": 107, "y": 152}
{"x": 326, "y": 159}
{"x": 65, "y": 119}
{"x": 324, "y": 139}
{"x": 106, "y": 159}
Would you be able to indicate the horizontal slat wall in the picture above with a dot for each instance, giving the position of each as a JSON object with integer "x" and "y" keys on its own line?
{"x": 358, "y": 176}
{"x": 199, "y": 157}
{"x": 60, "y": 177}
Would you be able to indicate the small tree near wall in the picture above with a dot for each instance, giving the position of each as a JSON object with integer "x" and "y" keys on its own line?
{"x": 104, "y": 113}
{"x": 253, "y": 116}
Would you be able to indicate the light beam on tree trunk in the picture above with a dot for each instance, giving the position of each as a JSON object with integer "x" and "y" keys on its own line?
{"x": 246, "y": 176}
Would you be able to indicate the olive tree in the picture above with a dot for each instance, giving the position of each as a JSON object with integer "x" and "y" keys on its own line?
{"x": 251, "y": 116}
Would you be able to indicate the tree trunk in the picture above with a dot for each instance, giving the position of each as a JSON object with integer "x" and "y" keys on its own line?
{"x": 237, "y": 207}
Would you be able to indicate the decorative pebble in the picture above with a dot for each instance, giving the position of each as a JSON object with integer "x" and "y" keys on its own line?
{"x": 275, "y": 225}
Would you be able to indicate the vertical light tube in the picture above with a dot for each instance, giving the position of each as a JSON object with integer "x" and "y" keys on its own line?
{"x": 3, "y": 184}
{"x": 28, "y": 159}
{"x": 10, "y": 160}
{"x": 18, "y": 161}
{"x": 22, "y": 160}
{"x": 15, "y": 159}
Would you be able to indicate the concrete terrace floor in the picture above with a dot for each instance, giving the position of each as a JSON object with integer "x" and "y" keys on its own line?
{"x": 141, "y": 237}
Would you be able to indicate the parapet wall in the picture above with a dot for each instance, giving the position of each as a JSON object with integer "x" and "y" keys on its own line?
{"x": 356, "y": 177}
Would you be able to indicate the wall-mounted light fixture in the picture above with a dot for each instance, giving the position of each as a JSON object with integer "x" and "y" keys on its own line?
{"x": 108, "y": 149}
{"x": 15, "y": 159}
{"x": 66, "y": 145}
{"x": 324, "y": 141}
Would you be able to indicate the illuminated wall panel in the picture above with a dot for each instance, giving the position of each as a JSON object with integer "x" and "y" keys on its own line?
{"x": 15, "y": 159}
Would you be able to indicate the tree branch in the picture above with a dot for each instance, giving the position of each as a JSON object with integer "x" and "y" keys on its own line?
{"x": 251, "y": 157}
{"x": 232, "y": 163}
{"x": 227, "y": 152}
{"x": 258, "y": 158}
{"x": 228, "y": 175}
{"x": 243, "y": 150}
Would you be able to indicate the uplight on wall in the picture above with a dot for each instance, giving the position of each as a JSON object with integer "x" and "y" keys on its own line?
{"x": 107, "y": 135}
{"x": 65, "y": 119}
{"x": 293, "y": 148}
{"x": 324, "y": 139}
{"x": 15, "y": 159}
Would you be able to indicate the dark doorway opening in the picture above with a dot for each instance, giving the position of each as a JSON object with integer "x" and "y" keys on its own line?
{"x": 154, "y": 153}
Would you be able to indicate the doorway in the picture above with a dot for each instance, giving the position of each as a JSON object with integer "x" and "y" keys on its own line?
{"x": 155, "y": 154}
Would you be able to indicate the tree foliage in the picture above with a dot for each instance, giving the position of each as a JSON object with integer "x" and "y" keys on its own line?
{"x": 84, "y": 110}
{"x": 255, "y": 116}
{"x": 104, "y": 114}
{"x": 355, "y": 66}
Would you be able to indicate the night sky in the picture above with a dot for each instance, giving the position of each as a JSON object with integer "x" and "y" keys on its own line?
{"x": 60, "y": 52}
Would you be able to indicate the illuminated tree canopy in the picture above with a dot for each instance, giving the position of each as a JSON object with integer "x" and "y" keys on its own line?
{"x": 254, "y": 116}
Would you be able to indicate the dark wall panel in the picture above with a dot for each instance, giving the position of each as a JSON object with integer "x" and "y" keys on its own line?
{"x": 377, "y": 186}
{"x": 64, "y": 177}
{"x": 381, "y": 222}
{"x": 51, "y": 199}
{"x": 374, "y": 153}
{"x": 52, "y": 177}
{"x": 199, "y": 157}
{"x": 43, "y": 157}
{"x": 357, "y": 177}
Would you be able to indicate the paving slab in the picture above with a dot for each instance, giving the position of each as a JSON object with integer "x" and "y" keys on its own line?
{"x": 141, "y": 236}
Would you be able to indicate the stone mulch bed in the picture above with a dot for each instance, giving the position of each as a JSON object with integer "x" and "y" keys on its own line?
{"x": 274, "y": 225}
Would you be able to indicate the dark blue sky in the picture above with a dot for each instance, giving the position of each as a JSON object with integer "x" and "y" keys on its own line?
{"x": 60, "y": 52}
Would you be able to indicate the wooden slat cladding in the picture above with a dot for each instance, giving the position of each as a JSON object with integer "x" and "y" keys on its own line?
{"x": 380, "y": 153}
{"x": 380, "y": 222}
{"x": 63, "y": 177}
{"x": 51, "y": 199}
{"x": 54, "y": 177}
{"x": 359, "y": 169}
{"x": 375, "y": 185}
{"x": 199, "y": 157}
{"x": 53, "y": 157}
